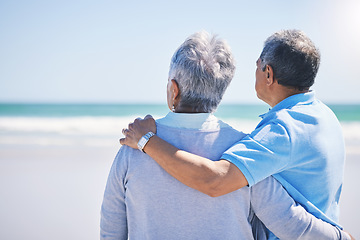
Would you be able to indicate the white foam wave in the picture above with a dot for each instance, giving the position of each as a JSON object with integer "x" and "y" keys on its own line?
{"x": 65, "y": 126}
{"x": 101, "y": 129}
{"x": 85, "y": 125}
{"x": 351, "y": 131}
{"x": 86, "y": 131}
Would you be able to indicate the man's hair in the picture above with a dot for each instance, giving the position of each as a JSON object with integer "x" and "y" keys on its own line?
{"x": 293, "y": 57}
{"x": 203, "y": 66}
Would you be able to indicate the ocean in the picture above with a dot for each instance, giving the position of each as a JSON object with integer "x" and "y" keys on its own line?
{"x": 100, "y": 122}
{"x": 54, "y": 161}
{"x": 234, "y": 111}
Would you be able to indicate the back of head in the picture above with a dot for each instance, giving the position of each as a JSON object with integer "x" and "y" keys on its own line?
{"x": 293, "y": 57}
{"x": 203, "y": 67}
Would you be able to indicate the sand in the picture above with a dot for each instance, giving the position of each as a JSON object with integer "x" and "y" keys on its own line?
{"x": 52, "y": 193}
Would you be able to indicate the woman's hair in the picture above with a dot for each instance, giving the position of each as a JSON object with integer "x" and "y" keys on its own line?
{"x": 203, "y": 67}
{"x": 293, "y": 57}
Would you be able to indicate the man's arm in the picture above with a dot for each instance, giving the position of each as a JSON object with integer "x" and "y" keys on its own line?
{"x": 286, "y": 219}
{"x": 214, "y": 178}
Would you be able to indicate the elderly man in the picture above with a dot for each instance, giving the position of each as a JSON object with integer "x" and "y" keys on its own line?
{"x": 299, "y": 141}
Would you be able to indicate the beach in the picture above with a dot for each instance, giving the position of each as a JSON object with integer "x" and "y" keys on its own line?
{"x": 53, "y": 172}
{"x": 52, "y": 179}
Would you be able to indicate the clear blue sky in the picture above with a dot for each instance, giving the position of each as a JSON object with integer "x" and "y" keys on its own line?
{"x": 119, "y": 51}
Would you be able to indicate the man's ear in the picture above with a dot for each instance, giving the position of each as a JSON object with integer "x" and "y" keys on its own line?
{"x": 269, "y": 75}
{"x": 175, "y": 89}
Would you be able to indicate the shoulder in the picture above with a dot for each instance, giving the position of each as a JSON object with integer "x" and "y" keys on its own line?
{"x": 226, "y": 127}
{"x": 124, "y": 156}
{"x": 275, "y": 128}
{"x": 124, "y": 152}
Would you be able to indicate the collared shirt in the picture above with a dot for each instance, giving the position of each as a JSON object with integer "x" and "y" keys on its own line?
{"x": 300, "y": 143}
{"x": 200, "y": 121}
{"x": 142, "y": 201}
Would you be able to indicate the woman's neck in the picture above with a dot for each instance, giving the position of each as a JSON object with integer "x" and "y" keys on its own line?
{"x": 184, "y": 109}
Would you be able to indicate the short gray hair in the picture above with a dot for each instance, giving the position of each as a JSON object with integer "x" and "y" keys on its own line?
{"x": 203, "y": 67}
{"x": 294, "y": 58}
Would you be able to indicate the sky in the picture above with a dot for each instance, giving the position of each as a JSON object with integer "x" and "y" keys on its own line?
{"x": 119, "y": 51}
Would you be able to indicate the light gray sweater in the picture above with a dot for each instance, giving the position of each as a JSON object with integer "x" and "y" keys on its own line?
{"x": 142, "y": 201}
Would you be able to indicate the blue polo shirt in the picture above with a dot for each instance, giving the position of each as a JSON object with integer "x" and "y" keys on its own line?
{"x": 300, "y": 143}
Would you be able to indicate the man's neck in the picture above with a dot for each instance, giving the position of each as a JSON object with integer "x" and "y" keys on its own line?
{"x": 282, "y": 92}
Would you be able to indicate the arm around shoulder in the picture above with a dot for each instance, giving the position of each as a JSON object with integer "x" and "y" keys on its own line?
{"x": 214, "y": 178}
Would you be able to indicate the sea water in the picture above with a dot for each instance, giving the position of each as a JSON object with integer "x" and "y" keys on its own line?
{"x": 104, "y": 120}
{"x": 239, "y": 111}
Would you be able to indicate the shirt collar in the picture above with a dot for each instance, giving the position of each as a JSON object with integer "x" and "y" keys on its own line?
{"x": 190, "y": 120}
{"x": 289, "y": 102}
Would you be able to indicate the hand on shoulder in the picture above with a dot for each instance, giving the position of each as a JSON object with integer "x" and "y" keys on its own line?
{"x": 136, "y": 130}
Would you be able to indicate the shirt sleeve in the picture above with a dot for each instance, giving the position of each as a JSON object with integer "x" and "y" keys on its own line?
{"x": 264, "y": 152}
{"x": 285, "y": 218}
{"x": 113, "y": 223}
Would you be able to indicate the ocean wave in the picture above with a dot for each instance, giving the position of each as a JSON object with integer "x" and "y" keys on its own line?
{"x": 65, "y": 126}
{"x": 85, "y": 125}
{"x": 101, "y": 129}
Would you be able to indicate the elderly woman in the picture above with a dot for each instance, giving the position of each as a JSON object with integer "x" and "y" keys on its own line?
{"x": 142, "y": 201}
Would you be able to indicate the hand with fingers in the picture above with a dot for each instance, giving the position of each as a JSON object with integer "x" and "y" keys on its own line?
{"x": 136, "y": 130}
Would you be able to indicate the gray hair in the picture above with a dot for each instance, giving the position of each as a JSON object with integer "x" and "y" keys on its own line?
{"x": 294, "y": 58}
{"x": 203, "y": 67}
